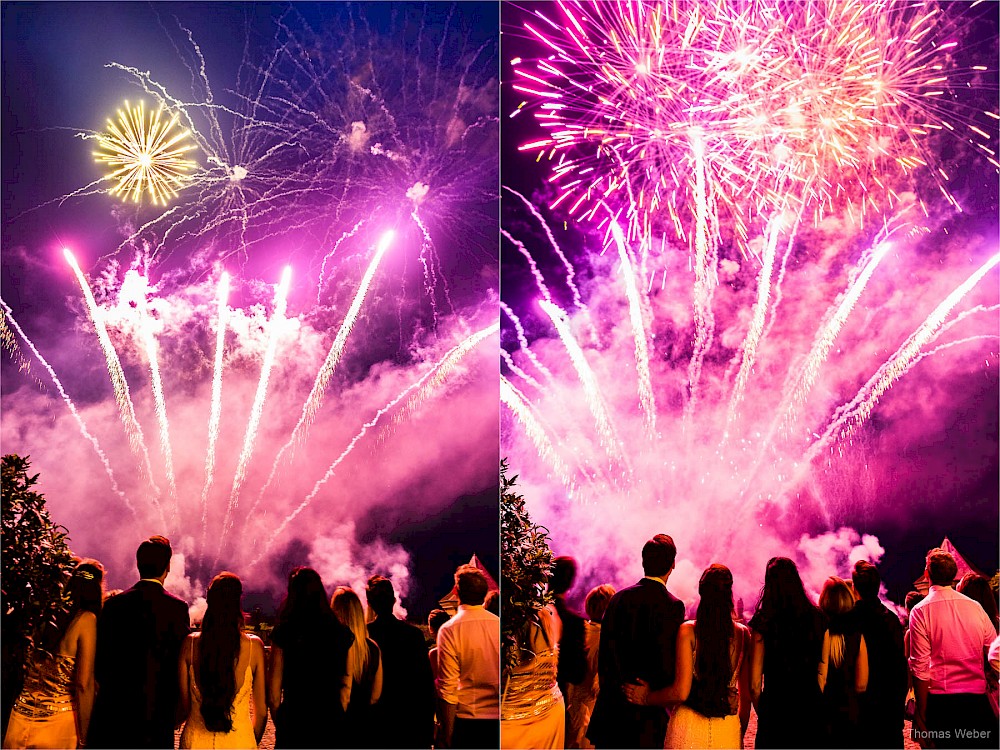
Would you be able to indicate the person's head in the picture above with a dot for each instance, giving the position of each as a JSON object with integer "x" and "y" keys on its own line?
{"x": 913, "y": 599}
{"x": 381, "y": 595}
{"x": 306, "y": 598}
{"x": 563, "y": 574}
{"x": 596, "y": 603}
{"x": 218, "y": 650}
{"x": 436, "y": 619}
{"x": 658, "y": 556}
{"x": 866, "y": 580}
{"x": 153, "y": 557}
{"x": 346, "y": 605}
{"x": 977, "y": 588}
{"x": 492, "y": 602}
{"x": 836, "y": 598}
{"x": 783, "y": 595}
{"x": 472, "y": 585}
{"x": 713, "y": 630}
{"x": 86, "y": 589}
{"x": 941, "y": 567}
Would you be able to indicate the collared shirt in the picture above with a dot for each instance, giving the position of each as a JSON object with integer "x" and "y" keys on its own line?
{"x": 949, "y": 633}
{"x": 469, "y": 663}
{"x": 659, "y": 580}
{"x": 151, "y": 580}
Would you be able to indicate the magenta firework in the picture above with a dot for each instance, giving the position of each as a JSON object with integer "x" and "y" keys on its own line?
{"x": 745, "y": 224}
{"x": 267, "y": 286}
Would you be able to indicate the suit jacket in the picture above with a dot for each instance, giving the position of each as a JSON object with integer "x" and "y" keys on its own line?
{"x": 572, "y": 659}
{"x": 406, "y": 708}
{"x": 139, "y": 637}
{"x": 882, "y": 704}
{"x": 638, "y": 641}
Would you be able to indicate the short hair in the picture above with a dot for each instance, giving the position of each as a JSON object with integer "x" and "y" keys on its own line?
{"x": 563, "y": 574}
{"x": 658, "y": 555}
{"x": 913, "y": 599}
{"x": 153, "y": 557}
{"x": 436, "y": 619}
{"x": 380, "y": 594}
{"x": 596, "y": 603}
{"x": 866, "y": 579}
{"x": 471, "y": 584}
{"x": 941, "y": 567}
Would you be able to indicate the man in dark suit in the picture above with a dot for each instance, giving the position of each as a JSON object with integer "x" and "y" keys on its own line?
{"x": 572, "y": 666}
{"x": 882, "y": 704}
{"x": 139, "y": 636}
{"x": 405, "y": 712}
{"x": 638, "y": 641}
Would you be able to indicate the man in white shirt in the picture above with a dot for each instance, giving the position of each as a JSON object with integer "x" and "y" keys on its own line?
{"x": 949, "y": 636}
{"x": 469, "y": 668}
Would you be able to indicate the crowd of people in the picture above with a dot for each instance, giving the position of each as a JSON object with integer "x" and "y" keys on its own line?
{"x": 127, "y": 671}
{"x": 834, "y": 673}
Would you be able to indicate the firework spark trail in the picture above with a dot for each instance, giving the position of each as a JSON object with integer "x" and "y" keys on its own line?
{"x": 523, "y": 341}
{"x": 123, "y": 396}
{"x": 8, "y": 315}
{"x": 539, "y": 279}
{"x": 706, "y": 278}
{"x": 445, "y": 368}
{"x": 152, "y": 355}
{"x": 801, "y": 381}
{"x": 760, "y": 310}
{"x": 9, "y": 343}
{"x": 430, "y": 279}
{"x": 315, "y": 399}
{"x": 256, "y": 411}
{"x": 322, "y": 271}
{"x": 509, "y": 361}
{"x": 521, "y": 408}
{"x": 570, "y": 271}
{"x": 848, "y": 417}
{"x": 215, "y": 416}
{"x": 638, "y": 332}
{"x": 350, "y": 447}
{"x": 595, "y": 401}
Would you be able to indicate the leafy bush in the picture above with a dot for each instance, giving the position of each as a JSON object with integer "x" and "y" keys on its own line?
{"x": 525, "y": 562}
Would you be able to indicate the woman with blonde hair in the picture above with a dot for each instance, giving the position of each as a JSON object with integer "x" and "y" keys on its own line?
{"x": 843, "y": 667}
{"x": 364, "y": 668}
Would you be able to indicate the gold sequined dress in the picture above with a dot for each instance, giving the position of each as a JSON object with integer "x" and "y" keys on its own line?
{"x": 44, "y": 715}
{"x": 532, "y": 711}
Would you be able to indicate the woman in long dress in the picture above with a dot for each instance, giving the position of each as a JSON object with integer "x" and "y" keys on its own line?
{"x": 712, "y": 682}
{"x": 221, "y": 672}
{"x": 54, "y": 706}
{"x": 787, "y": 646}
{"x": 843, "y": 666}
{"x": 308, "y": 690}
{"x": 364, "y": 670}
{"x": 532, "y": 708}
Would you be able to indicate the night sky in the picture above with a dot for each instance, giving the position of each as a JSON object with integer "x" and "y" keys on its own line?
{"x": 318, "y": 127}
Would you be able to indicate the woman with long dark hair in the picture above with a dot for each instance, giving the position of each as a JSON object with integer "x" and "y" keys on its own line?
{"x": 54, "y": 706}
{"x": 787, "y": 647}
{"x": 712, "y": 682}
{"x": 364, "y": 670}
{"x": 221, "y": 671}
{"x": 307, "y": 688}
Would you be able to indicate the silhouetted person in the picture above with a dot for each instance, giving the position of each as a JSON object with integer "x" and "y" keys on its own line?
{"x": 405, "y": 712}
{"x": 883, "y": 703}
{"x": 638, "y": 642}
{"x": 139, "y": 636}
{"x": 572, "y": 660}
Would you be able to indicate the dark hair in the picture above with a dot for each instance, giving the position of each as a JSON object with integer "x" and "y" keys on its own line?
{"x": 305, "y": 605}
{"x": 596, "y": 603}
{"x": 380, "y": 595}
{"x": 941, "y": 567}
{"x": 472, "y": 585}
{"x": 714, "y": 628}
{"x": 658, "y": 556}
{"x": 85, "y": 593}
{"x": 563, "y": 574}
{"x": 913, "y": 598}
{"x": 153, "y": 557}
{"x": 866, "y": 579}
{"x": 977, "y": 588}
{"x": 218, "y": 651}
{"x": 492, "y": 602}
{"x": 436, "y": 619}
